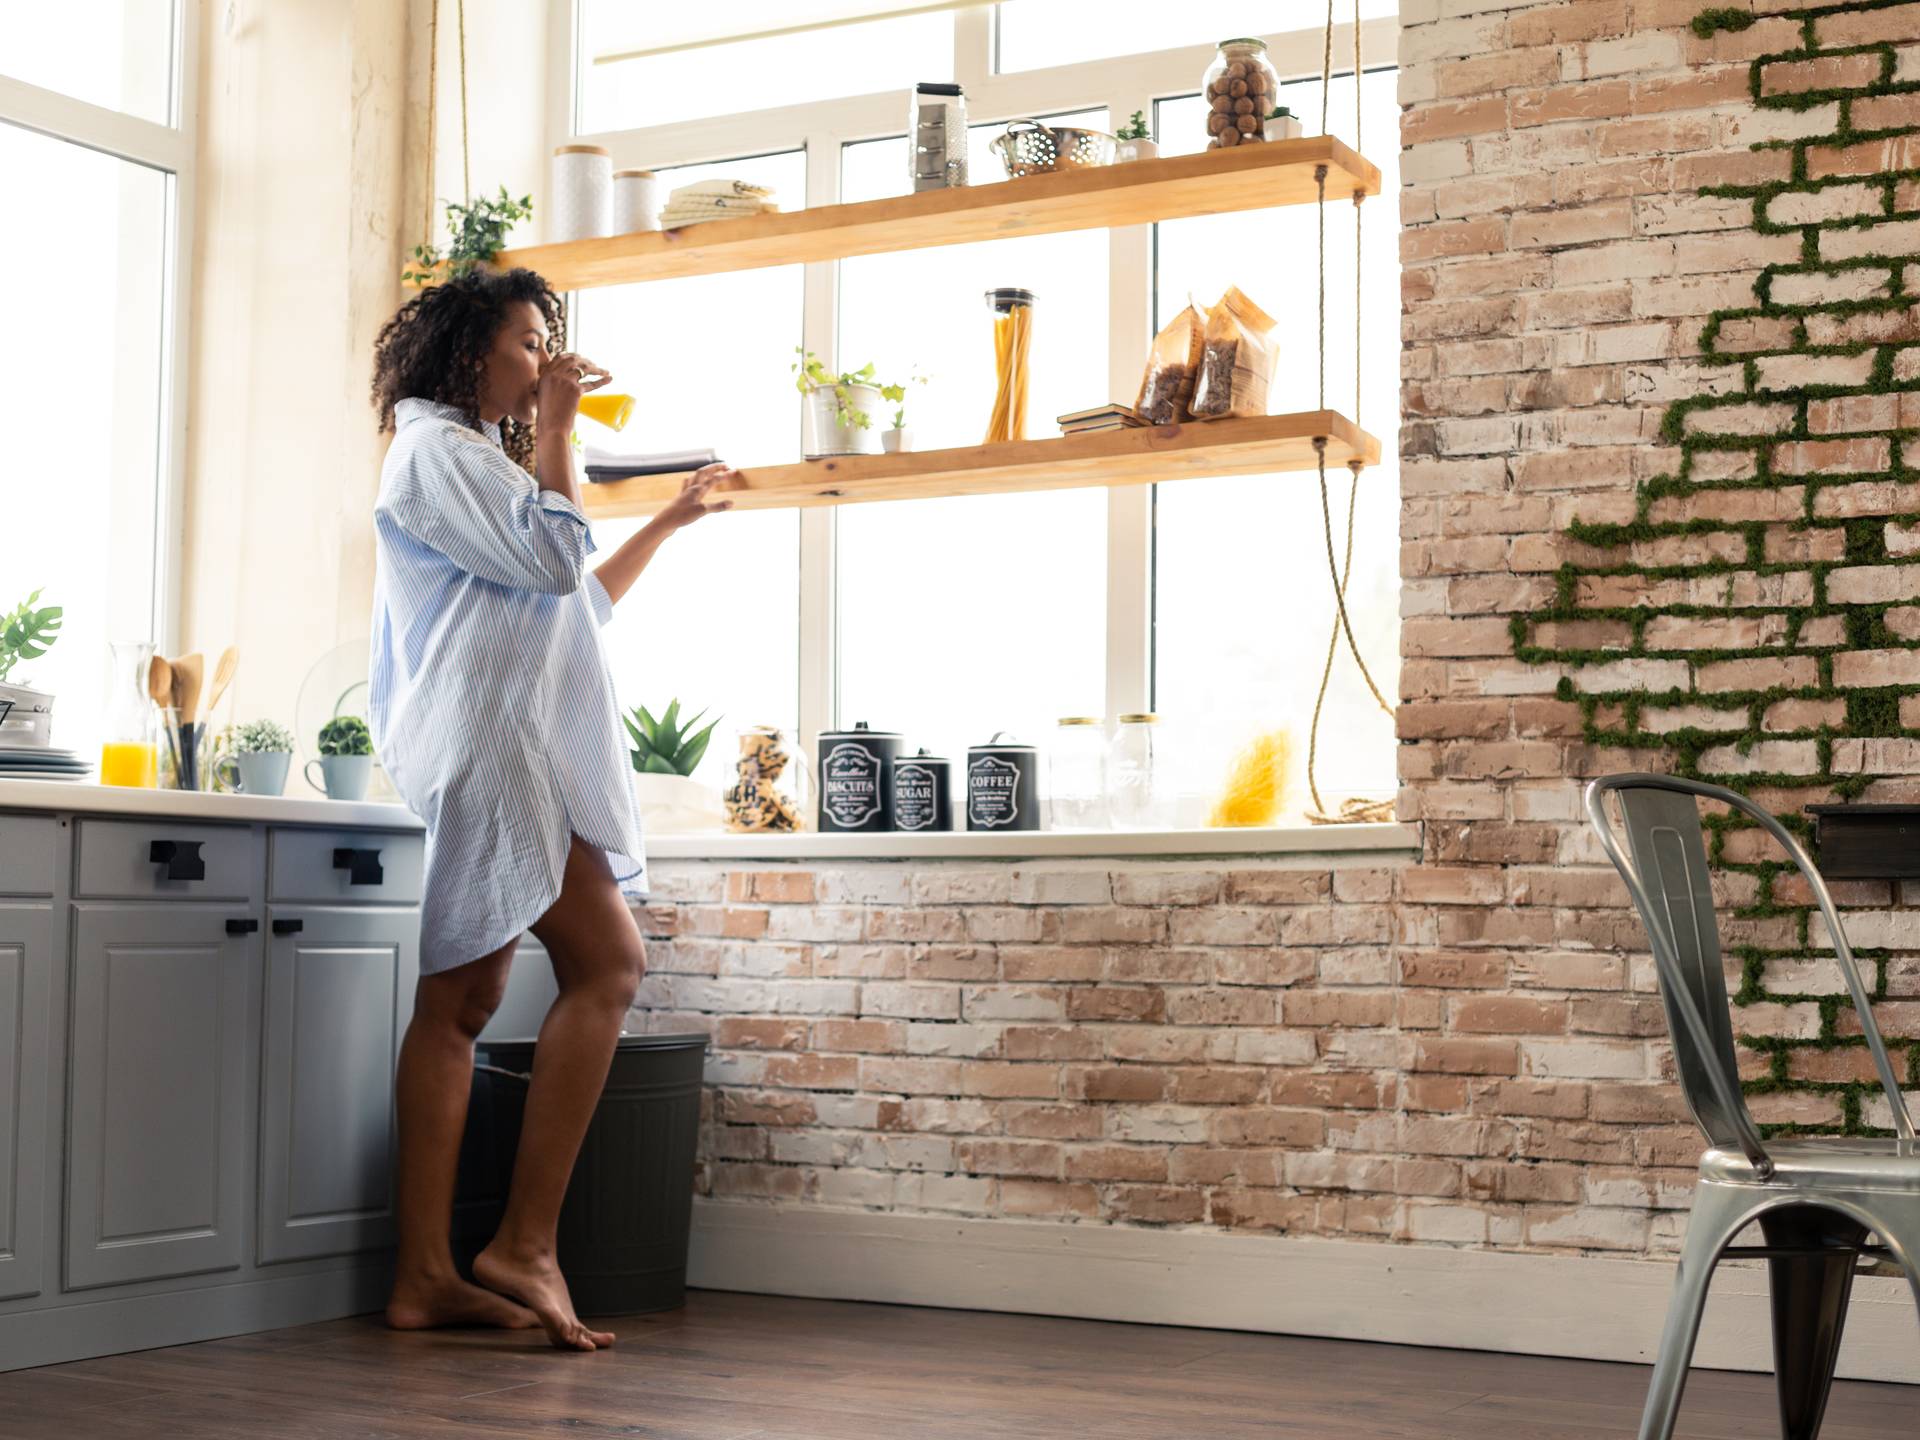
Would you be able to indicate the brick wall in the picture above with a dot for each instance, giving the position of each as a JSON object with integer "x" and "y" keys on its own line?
{"x": 1657, "y": 514}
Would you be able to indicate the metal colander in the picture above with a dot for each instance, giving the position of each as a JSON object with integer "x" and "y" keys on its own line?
{"x": 1030, "y": 148}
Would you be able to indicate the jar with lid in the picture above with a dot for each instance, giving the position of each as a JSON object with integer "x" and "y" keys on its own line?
{"x": 1133, "y": 796}
{"x": 1239, "y": 87}
{"x": 937, "y": 132}
{"x": 1012, "y": 341}
{"x": 1077, "y": 775}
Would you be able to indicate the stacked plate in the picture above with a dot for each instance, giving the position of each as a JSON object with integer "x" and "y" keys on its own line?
{"x": 41, "y": 762}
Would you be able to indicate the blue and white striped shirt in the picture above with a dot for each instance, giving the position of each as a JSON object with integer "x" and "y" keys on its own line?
{"x": 490, "y": 702}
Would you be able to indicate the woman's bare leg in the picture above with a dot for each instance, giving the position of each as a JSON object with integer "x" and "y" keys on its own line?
{"x": 597, "y": 961}
{"x": 436, "y": 1074}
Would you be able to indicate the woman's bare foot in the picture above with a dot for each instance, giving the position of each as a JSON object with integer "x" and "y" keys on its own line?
{"x": 420, "y": 1303}
{"x": 535, "y": 1281}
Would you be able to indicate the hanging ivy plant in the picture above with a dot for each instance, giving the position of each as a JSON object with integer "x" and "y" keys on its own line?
{"x": 478, "y": 232}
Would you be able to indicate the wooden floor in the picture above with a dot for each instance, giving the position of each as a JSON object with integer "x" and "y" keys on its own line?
{"x": 739, "y": 1367}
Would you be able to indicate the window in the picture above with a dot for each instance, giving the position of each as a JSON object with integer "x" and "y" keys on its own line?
{"x": 962, "y": 617}
{"x": 89, "y": 503}
{"x": 948, "y": 620}
{"x": 708, "y": 357}
{"x": 1243, "y": 601}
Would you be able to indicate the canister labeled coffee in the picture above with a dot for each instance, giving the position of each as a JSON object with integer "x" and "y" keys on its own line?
{"x": 855, "y": 773}
{"x": 1003, "y": 786}
{"x": 922, "y": 799}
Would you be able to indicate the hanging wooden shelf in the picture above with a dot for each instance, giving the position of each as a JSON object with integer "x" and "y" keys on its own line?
{"x": 1216, "y": 182}
{"x": 1113, "y": 457}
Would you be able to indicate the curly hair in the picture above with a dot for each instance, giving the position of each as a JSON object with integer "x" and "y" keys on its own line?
{"x": 436, "y": 347}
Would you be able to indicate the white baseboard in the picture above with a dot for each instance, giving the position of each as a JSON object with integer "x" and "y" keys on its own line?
{"x": 1592, "y": 1309}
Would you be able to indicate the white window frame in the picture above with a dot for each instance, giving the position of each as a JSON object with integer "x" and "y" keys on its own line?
{"x": 168, "y": 148}
{"x": 1122, "y": 85}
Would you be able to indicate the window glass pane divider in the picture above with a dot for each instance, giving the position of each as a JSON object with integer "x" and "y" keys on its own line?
{"x": 170, "y": 499}
{"x": 1129, "y": 507}
{"x": 819, "y": 583}
{"x": 972, "y": 47}
{"x": 47, "y": 112}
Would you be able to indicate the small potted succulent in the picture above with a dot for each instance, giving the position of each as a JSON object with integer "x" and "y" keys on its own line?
{"x": 1282, "y": 124}
{"x": 1135, "y": 142}
{"x": 665, "y": 754}
{"x": 899, "y": 439}
{"x": 26, "y": 633}
{"x": 259, "y": 753}
{"x": 346, "y": 759}
{"x": 841, "y": 405}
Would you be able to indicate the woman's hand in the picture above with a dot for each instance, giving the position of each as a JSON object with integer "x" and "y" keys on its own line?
{"x": 691, "y": 503}
{"x": 564, "y": 378}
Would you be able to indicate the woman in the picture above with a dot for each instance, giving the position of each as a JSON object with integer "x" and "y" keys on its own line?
{"x": 494, "y": 715}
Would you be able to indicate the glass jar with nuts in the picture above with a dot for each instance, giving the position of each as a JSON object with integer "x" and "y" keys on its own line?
{"x": 1239, "y": 88}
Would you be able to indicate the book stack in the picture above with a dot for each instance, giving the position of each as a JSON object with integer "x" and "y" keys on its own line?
{"x": 1114, "y": 416}
{"x": 715, "y": 200}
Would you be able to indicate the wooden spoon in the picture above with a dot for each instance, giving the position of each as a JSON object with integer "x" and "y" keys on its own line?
{"x": 160, "y": 681}
{"x": 223, "y": 676}
{"x": 188, "y": 673}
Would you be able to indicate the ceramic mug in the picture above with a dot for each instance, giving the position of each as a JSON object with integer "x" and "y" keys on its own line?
{"x": 342, "y": 777}
{"x": 260, "y": 772}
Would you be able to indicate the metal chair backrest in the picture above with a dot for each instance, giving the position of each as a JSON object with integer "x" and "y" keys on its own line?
{"x": 1665, "y": 867}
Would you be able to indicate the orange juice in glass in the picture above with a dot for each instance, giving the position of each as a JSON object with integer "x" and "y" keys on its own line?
{"x": 131, "y": 754}
{"x": 130, "y": 762}
{"x": 612, "y": 411}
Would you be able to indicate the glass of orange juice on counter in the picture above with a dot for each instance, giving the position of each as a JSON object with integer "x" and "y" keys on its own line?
{"x": 131, "y": 754}
{"x": 612, "y": 411}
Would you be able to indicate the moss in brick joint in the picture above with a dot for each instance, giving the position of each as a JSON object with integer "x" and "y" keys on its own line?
{"x": 1708, "y": 22}
{"x": 1868, "y": 713}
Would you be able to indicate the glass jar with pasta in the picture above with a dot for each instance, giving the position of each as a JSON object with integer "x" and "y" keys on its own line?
{"x": 1012, "y": 342}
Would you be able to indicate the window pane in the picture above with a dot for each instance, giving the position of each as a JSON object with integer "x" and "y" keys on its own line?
{"x": 82, "y": 480}
{"x": 713, "y": 621}
{"x": 1244, "y": 601}
{"x": 1033, "y": 34}
{"x": 115, "y": 53}
{"x": 752, "y": 75}
{"x": 965, "y": 616}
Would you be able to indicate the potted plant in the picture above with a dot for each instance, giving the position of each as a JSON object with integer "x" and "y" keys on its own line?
{"x": 1135, "y": 142}
{"x": 26, "y": 633}
{"x": 478, "y": 232}
{"x": 1282, "y": 124}
{"x": 346, "y": 759}
{"x": 259, "y": 753}
{"x": 899, "y": 439}
{"x": 665, "y": 754}
{"x": 842, "y": 406}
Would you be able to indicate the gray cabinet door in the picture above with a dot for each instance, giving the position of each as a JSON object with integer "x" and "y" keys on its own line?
{"x": 161, "y": 1061}
{"x": 339, "y": 995}
{"x": 26, "y": 1022}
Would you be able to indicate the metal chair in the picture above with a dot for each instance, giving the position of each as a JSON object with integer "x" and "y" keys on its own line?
{"x": 1818, "y": 1200}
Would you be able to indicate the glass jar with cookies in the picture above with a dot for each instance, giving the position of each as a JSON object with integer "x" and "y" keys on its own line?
{"x": 1239, "y": 88}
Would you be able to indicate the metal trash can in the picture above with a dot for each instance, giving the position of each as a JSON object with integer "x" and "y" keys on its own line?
{"x": 628, "y": 1215}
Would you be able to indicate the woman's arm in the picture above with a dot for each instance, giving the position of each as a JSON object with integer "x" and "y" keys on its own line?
{"x": 563, "y": 380}
{"x": 620, "y": 569}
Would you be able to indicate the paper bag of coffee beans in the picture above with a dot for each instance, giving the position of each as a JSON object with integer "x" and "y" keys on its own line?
{"x": 1236, "y": 359}
{"x": 1167, "y": 386}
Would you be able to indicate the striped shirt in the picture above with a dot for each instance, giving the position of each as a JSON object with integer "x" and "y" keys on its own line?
{"x": 490, "y": 702}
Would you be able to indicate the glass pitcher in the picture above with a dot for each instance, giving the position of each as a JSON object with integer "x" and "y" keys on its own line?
{"x": 130, "y": 754}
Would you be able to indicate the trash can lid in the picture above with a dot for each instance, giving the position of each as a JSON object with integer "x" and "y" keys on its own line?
{"x": 692, "y": 1040}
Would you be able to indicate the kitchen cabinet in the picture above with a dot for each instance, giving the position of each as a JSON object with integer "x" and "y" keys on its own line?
{"x": 26, "y": 1023}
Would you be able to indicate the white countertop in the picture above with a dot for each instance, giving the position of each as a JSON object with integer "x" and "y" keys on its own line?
{"x": 194, "y": 805}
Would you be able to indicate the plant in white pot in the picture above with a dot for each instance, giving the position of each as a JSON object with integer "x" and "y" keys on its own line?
{"x": 841, "y": 406}
{"x": 665, "y": 754}
{"x": 259, "y": 753}
{"x": 26, "y": 633}
{"x": 899, "y": 439}
{"x": 346, "y": 759}
{"x": 1281, "y": 124}
{"x": 1135, "y": 141}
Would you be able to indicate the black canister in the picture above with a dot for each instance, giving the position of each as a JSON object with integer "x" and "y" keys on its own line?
{"x": 856, "y": 773}
{"x": 922, "y": 795}
{"x": 1003, "y": 786}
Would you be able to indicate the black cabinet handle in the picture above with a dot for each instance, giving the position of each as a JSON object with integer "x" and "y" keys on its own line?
{"x": 242, "y": 927}
{"x": 181, "y": 857}
{"x": 362, "y": 866}
{"x": 288, "y": 927}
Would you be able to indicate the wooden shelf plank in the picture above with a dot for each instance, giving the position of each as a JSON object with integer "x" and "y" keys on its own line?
{"x": 1246, "y": 177}
{"x": 1112, "y": 457}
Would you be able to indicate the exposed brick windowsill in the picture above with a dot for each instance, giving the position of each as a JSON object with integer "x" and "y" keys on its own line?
{"x": 966, "y": 845}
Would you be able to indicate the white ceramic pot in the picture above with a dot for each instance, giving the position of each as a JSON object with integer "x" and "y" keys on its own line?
{"x": 1136, "y": 150}
{"x": 896, "y": 442}
{"x": 830, "y": 437}
{"x": 1287, "y": 127}
{"x": 676, "y": 803}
